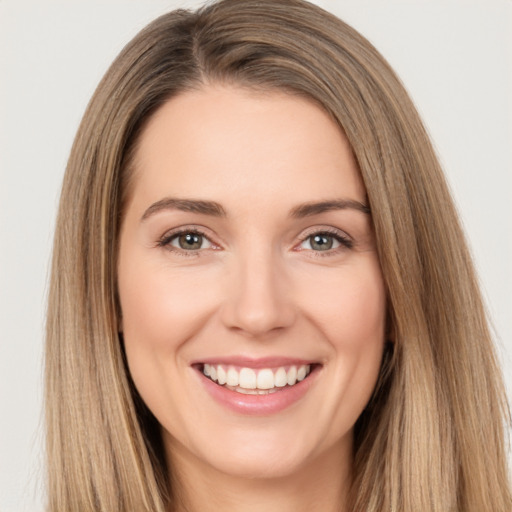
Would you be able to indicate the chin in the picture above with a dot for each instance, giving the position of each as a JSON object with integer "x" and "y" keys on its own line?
{"x": 259, "y": 464}
{"x": 264, "y": 451}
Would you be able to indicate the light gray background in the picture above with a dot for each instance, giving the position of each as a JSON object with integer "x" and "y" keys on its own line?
{"x": 454, "y": 56}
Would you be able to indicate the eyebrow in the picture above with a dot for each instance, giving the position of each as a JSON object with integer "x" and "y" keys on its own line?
{"x": 215, "y": 209}
{"x": 186, "y": 205}
{"x": 315, "y": 208}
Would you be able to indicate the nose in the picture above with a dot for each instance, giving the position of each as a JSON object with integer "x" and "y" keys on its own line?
{"x": 258, "y": 301}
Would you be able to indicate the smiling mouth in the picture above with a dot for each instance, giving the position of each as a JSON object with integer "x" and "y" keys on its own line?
{"x": 261, "y": 381}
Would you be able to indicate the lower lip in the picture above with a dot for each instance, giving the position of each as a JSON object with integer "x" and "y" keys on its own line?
{"x": 259, "y": 405}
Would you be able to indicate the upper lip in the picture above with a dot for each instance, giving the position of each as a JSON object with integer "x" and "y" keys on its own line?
{"x": 250, "y": 362}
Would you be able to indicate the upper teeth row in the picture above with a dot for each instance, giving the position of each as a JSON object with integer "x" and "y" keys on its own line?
{"x": 256, "y": 379}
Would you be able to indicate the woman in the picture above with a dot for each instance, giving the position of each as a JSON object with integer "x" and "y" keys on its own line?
{"x": 261, "y": 295}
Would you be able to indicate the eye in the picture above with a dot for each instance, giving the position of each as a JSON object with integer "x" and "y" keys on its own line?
{"x": 324, "y": 241}
{"x": 320, "y": 242}
{"x": 188, "y": 241}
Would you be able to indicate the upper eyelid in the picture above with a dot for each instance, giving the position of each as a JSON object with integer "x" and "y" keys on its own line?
{"x": 200, "y": 230}
{"x": 324, "y": 230}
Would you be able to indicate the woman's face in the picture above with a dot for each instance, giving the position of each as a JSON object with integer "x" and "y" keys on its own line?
{"x": 247, "y": 253}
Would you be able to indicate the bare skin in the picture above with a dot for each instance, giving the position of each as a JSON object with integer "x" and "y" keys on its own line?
{"x": 247, "y": 235}
{"x": 205, "y": 489}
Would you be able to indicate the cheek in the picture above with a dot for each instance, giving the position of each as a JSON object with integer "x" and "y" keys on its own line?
{"x": 351, "y": 308}
{"x": 358, "y": 335}
{"x": 352, "y": 317}
{"x": 361, "y": 313}
{"x": 162, "y": 308}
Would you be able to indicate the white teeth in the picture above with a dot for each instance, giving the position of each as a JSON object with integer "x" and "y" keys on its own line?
{"x": 247, "y": 378}
{"x": 253, "y": 391}
{"x": 232, "y": 378}
{"x": 250, "y": 381}
{"x": 221, "y": 375}
{"x": 291, "y": 376}
{"x": 265, "y": 379}
{"x": 247, "y": 391}
{"x": 280, "y": 378}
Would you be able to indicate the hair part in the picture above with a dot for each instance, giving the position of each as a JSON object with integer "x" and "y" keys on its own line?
{"x": 432, "y": 437}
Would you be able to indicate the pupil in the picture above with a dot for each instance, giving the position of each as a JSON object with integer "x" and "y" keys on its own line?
{"x": 190, "y": 241}
{"x": 322, "y": 242}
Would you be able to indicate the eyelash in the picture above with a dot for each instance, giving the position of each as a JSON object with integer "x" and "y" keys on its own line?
{"x": 166, "y": 240}
{"x": 344, "y": 241}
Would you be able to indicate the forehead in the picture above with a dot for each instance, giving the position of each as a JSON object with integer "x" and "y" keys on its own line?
{"x": 226, "y": 143}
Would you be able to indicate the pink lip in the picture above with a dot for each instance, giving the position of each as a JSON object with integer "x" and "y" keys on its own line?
{"x": 258, "y": 405}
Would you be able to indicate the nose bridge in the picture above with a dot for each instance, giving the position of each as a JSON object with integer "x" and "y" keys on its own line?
{"x": 258, "y": 301}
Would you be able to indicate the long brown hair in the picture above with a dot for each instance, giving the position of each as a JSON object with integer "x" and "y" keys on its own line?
{"x": 432, "y": 438}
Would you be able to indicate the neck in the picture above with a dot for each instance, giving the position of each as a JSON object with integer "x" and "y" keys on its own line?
{"x": 322, "y": 484}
